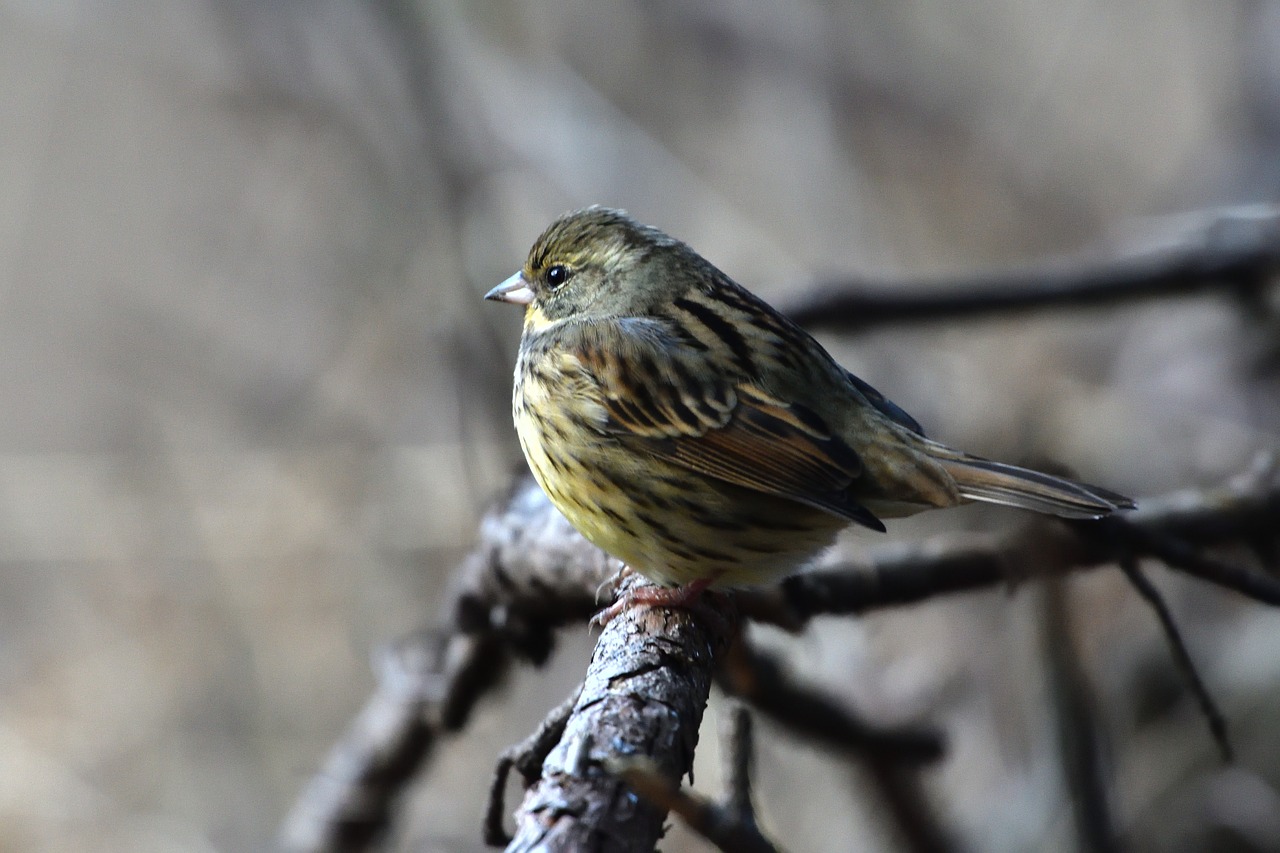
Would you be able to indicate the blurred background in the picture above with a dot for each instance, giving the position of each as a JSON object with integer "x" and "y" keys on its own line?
{"x": 253, "y": 404}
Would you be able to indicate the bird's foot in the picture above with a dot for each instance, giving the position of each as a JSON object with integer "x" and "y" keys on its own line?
{"x": 612, "y": 583}
{"x": 684, "y": 596}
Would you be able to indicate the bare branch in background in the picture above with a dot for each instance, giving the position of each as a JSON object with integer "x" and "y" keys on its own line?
{"x": 1237, "y": 254}
{"x": 428, "y": 686}
{"x": 740, "y": 764}
{"x": 1174, "y": 529}
{"x": 529, "y": 574}
{"x": 892, "y": 757}
{"x": 1181, "y": 657}
{"x": 757, "y": 677}
{"x": 1081, "y": 746}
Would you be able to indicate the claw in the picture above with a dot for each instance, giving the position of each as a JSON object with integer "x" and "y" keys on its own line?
{"x": 615, "y": 581}
{"x": 684, "y": 597}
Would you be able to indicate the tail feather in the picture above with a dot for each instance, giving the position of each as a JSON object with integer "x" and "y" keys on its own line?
{"x": 998, "y": 483}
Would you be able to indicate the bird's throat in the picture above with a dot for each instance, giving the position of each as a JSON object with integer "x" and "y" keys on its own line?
{"x": 536, "y": 321}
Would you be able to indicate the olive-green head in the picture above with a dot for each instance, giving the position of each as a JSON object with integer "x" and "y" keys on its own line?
{"x": 598, "y": 263}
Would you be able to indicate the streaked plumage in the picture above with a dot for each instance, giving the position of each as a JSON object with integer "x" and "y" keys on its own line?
{"x": 687, "y": 428}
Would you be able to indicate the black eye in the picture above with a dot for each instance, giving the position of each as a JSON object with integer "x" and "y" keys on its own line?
{"x": 557, "y": 275}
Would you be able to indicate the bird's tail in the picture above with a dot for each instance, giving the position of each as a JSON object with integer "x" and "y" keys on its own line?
{"x": 980, "y": 479}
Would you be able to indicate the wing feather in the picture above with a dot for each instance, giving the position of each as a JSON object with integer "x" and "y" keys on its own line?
{"x": 719, "y": 423}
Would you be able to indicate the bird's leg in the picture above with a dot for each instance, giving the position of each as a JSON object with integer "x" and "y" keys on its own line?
{"x": 683, "y": 596}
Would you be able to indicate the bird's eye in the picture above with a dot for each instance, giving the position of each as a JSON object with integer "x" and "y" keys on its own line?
{"x": 557, "y": 275}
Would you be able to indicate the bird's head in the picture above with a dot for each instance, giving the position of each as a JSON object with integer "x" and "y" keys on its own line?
{"x": 597, "y": 264}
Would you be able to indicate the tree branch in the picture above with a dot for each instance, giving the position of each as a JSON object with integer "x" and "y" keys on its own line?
{"x": 1181, "y": 656}
{"x": 1175, "y": 529}
{"x": 1080, "y": 736}
{"x": 1236, "y": 253}
{"x": 532, "y": 573}
{"x": 731, "y": 825}
{"x": 643, "y": 698}
{"x": 892, "y": 757}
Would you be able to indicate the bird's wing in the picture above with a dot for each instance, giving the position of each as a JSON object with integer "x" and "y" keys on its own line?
{"x": 887, "y": 407}
{"x": 683, "y": 406}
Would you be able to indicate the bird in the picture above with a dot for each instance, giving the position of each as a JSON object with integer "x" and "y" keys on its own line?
{"x": 687, "y": 428}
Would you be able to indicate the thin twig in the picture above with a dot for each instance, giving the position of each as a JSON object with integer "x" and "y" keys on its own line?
{"x": 526, "y": 757}
{"x": 1180, "y": 555}
{"x": 1182, "y": 658}
{"x": 741, "y": 757}
{"x": 1080, "y": 737}
{"x": 722, "y": 825}
{"x": 759, "y": 678}
{"x": 891, "y": 756}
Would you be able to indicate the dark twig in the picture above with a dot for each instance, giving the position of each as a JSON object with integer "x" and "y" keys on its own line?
{"x": 758, "y": 678}
{"x": 731, "y": 825}
{"x": 1236, "y": 254}
{"x": 1182, "y": 658}
{"x": 1180, "y": 555}
{"x": 1080, "y": 740}
{"x": 526, "y": 757}
{"x": 722, "y": 825}
{"x": 891, "y": 755}
{"x": 741, "y": 757}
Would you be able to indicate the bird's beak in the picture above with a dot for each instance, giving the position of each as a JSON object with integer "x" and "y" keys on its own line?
{"x": 514, "y": 290}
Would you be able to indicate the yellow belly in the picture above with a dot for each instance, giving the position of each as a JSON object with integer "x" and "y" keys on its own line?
{"x": 672, "y": 525}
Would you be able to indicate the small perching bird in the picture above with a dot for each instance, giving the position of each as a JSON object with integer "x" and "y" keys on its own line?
{"x": 693, "y": 432}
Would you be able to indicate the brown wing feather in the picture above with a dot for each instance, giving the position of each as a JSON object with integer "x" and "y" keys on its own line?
{"x": 724, "y": 427}
{"x": 763, "y": 451}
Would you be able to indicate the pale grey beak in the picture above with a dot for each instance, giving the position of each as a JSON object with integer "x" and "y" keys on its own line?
{"x": 514, "y": 290}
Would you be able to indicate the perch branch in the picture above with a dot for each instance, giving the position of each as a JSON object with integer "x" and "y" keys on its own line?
{"x": 532, "y": 573}
{"x": 643, "y": 698}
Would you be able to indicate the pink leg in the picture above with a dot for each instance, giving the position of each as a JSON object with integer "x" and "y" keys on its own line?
{"x": 683, "y": 596}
